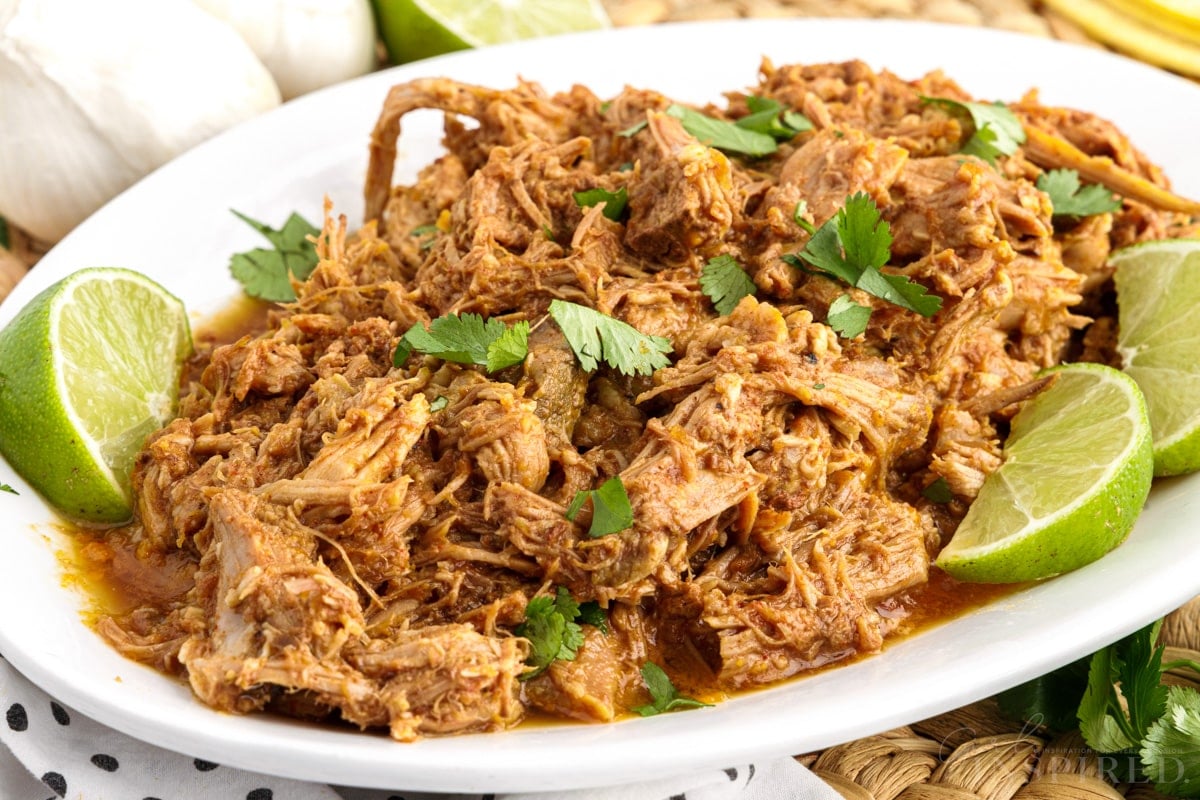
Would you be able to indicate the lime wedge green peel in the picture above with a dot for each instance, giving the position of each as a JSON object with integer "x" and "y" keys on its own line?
{"x": 88, "y": 369}
{"x": 413, "y": 29}
{"x": 1077, "y": 468}
{"x": 1158, "y": 295}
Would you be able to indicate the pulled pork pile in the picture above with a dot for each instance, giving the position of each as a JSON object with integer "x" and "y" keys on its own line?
{"x": 359, "y": 540}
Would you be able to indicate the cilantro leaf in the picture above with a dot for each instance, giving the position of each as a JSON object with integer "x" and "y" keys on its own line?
{"x": 1049, "y": 700}
{"x": 552, "y": 630}
{"x": 851, "y": 247}
{"x": 772, "y": 118}
{"x": 722, "y": 134}
{"x": 633, "y": 129}
{"x": 439, "y": 403}
{"x": 1112, "y": 720}
{"x": 1170, "y": 752}
{"x": 590, "y": 613}
{"x": 4, "y": 487}
{"x": 725, "y": 283}
{"x": 1070, "y": 200}
{"x": 846, "y": 317}
{"x": 265, "y": 273}
{"x": 431, "y": 231}
{"x": 663, "y": 694}
{"x": 597, "y": 337}
{"x": 998, "y": 132}
{"x": 5, "y": 241}
{"x": 938, "y": 492}
{"x": 611, "y": 512}
{"x": 467, "y": 340}
{"x": 614, "y": 202}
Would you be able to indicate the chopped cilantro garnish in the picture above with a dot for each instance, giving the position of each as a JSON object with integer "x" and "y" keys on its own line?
{"x": 846, "y": 317}
{"x": 552, "y": 627}
{"x": 772, "y": 118}
{"x": 265, "y": 273}
{"x": 998, "y": 132}
{"x": 611, "y": 512}
{"x": 439, "y": 403}
{"x": 430, "y": 231}
{"x": 4, "y": 487}
{"x": 851, "y": 247}
{"x": 663, "y": 694}
{"x": 5, "y": 242}
{"x": 633, "y": 129}
{"x": 467, "y": 340}
{"x": 614, "y": 202}
{"x": 725, "y": 283}
{"x": 722, "y": 134}
{"x": 938, "y": 492}
{"x": 1070, "y": 199}
{"x": 596, "y": 337}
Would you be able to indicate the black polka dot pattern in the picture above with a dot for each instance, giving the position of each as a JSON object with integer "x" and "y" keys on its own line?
{"x": 60, "y": 714}
{"x": 260, "y": 794}
{"x": 56, "y": 782}
{"x": 18, "y": 720}
{"x": 205, "y": 766}
{"x": 105, "y": 762}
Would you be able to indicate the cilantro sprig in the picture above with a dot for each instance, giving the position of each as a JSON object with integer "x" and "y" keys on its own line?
{"x": 1070, "y": 199}
{"x": 998, "y": 132}
{"x": 552, "y": 627}
{"x": 611, "y": 511}
{"x": 723, "y": 281}
{"x": 596, "y": 337}
{"x": 264, "y": 273}
{"x": 723, "y": 134}
{"x": 467, "y": 340}
{"x": 614, "y": 202}
{"x": 851, "y": 247}
{"x": 1120, "y": 704}
{"x": 664, "y": 696}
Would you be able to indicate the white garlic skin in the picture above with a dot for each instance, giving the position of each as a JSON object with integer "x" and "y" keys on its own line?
{"x": 95, "y": 95}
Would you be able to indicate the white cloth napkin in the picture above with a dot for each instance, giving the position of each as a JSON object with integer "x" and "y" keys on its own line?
{"x": 49, "y": 750}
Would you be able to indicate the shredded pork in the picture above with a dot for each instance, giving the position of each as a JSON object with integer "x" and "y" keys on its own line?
{"x": 363, "y": 539}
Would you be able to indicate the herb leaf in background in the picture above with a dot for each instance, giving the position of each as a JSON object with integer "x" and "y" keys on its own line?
{"x": 998, "y": 132}
{"x": 611, "y": 511}
{"x": 265, "y": 273}
{"x": 614, "y": 202}
{"x": 725, "y": 283}
{"x": 1070, "y": 199}
{"x": 1052, "y": 699}
{"x": 467, "y": 339}
{"x": 722, "y": 134}
{"x": 1112, "y": 719}
{"x": 596, "y": 337}
{"x": 1170, "y": 752}
{"x": 664, "y": 696}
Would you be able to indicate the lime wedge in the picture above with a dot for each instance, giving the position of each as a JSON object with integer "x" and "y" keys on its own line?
{"x": 413, "y": 29}
{"x": 88, "y": 369}
{"x": 1158, "y": 295}
{"x": 1077, "y": 469}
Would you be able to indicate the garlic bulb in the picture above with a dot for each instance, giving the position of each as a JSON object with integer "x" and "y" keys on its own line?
{"x": 306, "y": 44}
{"x": 94, "y": 95}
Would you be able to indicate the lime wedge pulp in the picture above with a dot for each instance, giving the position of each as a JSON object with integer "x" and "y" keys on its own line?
{"x": 1077, "y": 469}
{"x": 88, "y": 369}
{"x": 1158, "y": 296}
{"x": 413, "y": 29}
